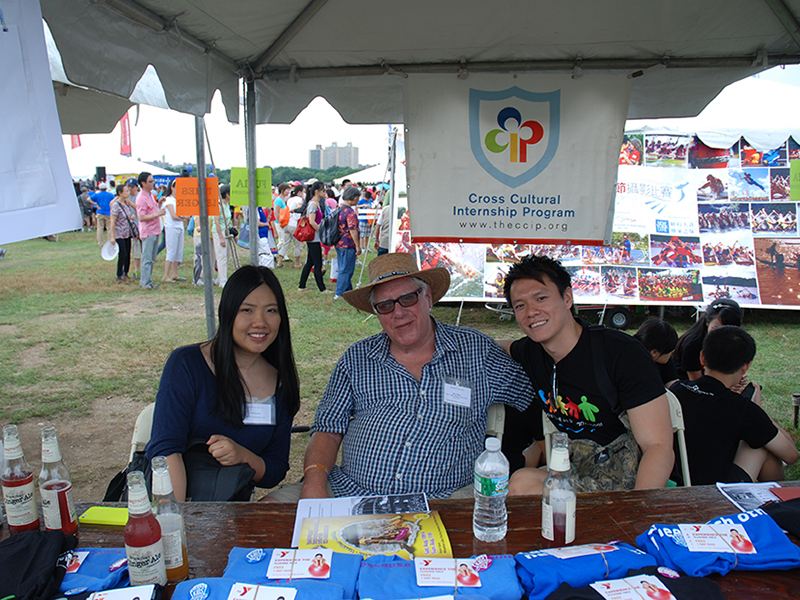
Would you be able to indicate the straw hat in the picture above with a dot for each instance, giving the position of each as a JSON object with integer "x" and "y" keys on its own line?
{"x": 388, "y": 267}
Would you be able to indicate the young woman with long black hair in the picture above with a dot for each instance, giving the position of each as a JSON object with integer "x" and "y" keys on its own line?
{"x": 238, "y": 391}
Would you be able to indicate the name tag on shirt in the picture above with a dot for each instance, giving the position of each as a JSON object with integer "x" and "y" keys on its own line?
{"x": 260, "y": 413}
{"x": 457, "y": 392}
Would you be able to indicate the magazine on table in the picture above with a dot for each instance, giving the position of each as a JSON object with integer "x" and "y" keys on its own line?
{"x": 407, "y": 535}
{"x": 356, "y": 505}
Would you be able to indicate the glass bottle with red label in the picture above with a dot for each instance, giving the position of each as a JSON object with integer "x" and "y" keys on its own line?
{"x": 143, "y": 544}
{"x": 19, "y": 492}
{"x": 55, "y": 487}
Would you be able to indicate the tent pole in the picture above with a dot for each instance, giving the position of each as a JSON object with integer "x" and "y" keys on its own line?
{"x": 250, "y": 146}
{"x": 205, "y": 233}
{"x": 392, "y": 190}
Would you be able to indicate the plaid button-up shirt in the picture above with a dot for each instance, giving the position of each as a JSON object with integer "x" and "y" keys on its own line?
{"x": 399, "y": 434}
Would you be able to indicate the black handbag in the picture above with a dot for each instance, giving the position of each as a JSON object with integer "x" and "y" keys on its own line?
{"x": 117, "y": 490}
{"x": 209, "y": 481}
{"x": 206, "y": 479}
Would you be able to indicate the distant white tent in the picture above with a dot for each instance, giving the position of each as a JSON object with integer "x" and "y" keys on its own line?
{"x": 376, "y": 174}
{"x": 763, "y": 112}
{"x": 84, "y": 160}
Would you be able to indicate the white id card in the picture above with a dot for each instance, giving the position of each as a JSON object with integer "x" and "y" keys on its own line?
{"x": 288, "y": 563}
{"x": 260, "y": 413}
{"x": 457, "y": 392}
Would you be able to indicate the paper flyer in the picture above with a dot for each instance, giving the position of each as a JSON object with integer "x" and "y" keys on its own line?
{"x": 406, "y": 535}
{"x": 356, "y": 505}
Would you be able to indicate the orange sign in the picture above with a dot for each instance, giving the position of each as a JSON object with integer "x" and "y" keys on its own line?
{"x": 187, "y": 197}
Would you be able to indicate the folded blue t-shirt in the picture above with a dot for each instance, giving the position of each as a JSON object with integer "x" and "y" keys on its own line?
{"x": 250, "y": 565}
{"x": 541, "y": 573}
{"x": 773, "y": 549}
{"x": 219, "y": 588}
{"x": 94, "y": 574}
{"x": 392, "y": 577}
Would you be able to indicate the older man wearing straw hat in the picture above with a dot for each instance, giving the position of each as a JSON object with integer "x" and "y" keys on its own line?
{"x": 408, "y": 405}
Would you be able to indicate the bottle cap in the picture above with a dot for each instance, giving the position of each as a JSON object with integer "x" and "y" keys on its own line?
{"x": 492, "y": 444}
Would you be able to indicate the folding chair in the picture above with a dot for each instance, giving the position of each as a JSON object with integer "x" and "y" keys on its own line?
{"x": 496, "y": 421}
{"x": 676, "y": 416}
{"x": 141, "y": 430}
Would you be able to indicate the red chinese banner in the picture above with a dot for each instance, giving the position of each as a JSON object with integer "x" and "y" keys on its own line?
{"x": 125, "y": 136}
{"x": 76, "y": 141}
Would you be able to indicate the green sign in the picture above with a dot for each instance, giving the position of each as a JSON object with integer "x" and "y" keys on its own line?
{"x": 794, "y": 180}
{"x": 239, "y": 181}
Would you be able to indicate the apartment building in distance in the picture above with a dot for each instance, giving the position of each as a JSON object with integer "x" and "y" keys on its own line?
{"x": 333, "y": 156}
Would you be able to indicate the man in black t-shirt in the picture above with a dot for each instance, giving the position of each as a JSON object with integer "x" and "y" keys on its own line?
{"x": 729, "y": 438}
{"x": 558, "y": 355}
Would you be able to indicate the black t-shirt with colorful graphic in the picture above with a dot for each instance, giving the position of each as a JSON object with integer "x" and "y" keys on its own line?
{"x": 580, "y": 409}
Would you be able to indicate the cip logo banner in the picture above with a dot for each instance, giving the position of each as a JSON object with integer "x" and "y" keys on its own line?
{"x": 527, "y": 158}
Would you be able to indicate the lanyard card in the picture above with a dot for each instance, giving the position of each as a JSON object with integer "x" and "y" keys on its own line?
{"x": 717, "y": 538}
{"x": 252, "y": 591}
{"x": 288, "y": 563}
{"x": 577, "y": 551}
{"x": 640, "y": 587}
{"x": 457, "y": 392}
{"x": 139, "y": 592}
{"x": 446, "y": 572}
{"x": 77, "y": 560}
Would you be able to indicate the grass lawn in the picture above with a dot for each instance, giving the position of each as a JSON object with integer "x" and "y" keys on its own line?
{"x": 70, "y": 335}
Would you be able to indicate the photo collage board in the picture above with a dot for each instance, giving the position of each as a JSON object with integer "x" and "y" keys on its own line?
{"x": 692, "y": 224}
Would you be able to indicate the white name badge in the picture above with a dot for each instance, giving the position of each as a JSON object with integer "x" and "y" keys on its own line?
{"x": 457, "y": 392}
{"x": 260, "y": 413}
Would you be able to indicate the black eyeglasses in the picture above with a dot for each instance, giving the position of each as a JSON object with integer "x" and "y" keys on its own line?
{"x": 406, "y": 300}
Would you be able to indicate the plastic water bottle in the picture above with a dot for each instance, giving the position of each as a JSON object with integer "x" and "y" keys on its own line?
{"x": 489, "y": 517}
{"x": 558, "y": 497}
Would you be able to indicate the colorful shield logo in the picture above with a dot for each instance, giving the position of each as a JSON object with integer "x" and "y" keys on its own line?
{"x": 514, "y": 133}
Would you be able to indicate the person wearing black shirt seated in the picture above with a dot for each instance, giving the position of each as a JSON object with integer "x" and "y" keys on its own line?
{"x": 599, "y": 386}
{"x": 659, "y": 339}
{"x": 729, "y": 437}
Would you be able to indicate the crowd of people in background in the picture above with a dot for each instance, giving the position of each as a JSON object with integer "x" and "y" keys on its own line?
{"x": 141, "y": 219}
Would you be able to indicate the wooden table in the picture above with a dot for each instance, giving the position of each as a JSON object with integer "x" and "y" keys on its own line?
{"x": 214, "y": 528}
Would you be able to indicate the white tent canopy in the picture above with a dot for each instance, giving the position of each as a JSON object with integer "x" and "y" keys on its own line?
{"x": 375, "y": 174}
{"x": 84, "y": 160}
{"x": 763, "y": 112}
{"x": 353, "y": 53}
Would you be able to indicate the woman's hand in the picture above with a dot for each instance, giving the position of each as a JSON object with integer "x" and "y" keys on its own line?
{"x": 226, "y": 451}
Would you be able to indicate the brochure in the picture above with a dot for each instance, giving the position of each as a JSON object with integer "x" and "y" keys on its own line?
{"x": 748, "y": 496}
{"x": 406, "y": 535}
{"x": 356, "y": 505}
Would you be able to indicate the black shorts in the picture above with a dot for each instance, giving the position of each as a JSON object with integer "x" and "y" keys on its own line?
{"x": 737, "y": 474}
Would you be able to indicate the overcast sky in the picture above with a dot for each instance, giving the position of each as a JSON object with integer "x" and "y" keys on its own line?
{"x": 171, "y": 134}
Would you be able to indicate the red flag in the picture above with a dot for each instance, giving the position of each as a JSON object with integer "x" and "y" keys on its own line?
{"x": 76, "y": 141}
{"x": 125, "y": 136}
